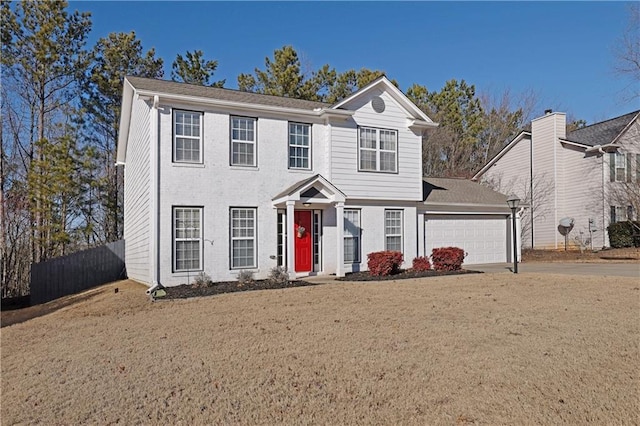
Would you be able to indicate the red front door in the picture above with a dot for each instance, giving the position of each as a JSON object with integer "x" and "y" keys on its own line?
{"x": 302, "y": 235}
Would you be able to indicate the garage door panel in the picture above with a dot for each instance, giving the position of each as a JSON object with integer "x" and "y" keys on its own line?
{"x": 484, "y": 238}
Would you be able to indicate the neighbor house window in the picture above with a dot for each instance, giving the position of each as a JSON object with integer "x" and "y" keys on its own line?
{"x": 243, "y": 141}
{"x": 243, "y": 238}
{"x": 187, "y": 239}
{"x": 187, "y": 136}
{"x": 378, "y": 150}
{"x": 621, "y": 213}
{"x": 393, "y": 230}
{"x": 351, "y": 236}
{"x": 620, "y": 166}
{"x": 638, "y": 168}
{"x": 299, "y": 146}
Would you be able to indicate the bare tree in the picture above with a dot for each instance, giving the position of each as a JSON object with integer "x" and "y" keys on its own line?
{"x": 534, "y": 193}
{"x": 627, "y": 54}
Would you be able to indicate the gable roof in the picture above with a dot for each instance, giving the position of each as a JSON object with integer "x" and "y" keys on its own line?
{"x": 173, "y": 87}
{"x": 604, "y": 132}
{"x": 297, "y": 190}
{"x": 460, "y": 191}
{"x": 421, "y": 119}
{"x": 522, "y": 135}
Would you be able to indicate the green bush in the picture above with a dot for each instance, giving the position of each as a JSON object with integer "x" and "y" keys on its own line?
{"x": 624, "y": 234}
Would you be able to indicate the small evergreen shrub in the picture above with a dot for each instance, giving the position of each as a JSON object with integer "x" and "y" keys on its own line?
{"x": 624, "y": 234}
{"x": 382, "y": 263}
{"x": 202, "y": 280}
{"x": 245, "y": 277}
{"x": 447, "y": 258}
{"x": 421, "y": 263}
{"x": 278, "y": 275}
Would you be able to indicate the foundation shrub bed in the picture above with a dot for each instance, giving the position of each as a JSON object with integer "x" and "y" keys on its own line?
{"x": 421, "y": 263}
{"x": 384, "y": 263}
{"x": 624, "y": 234}
{"x": 447, "y": 258}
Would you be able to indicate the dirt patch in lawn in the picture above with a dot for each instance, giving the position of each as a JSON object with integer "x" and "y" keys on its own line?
{"x": 477, "y": 348}
{"x": 629, "y": 254}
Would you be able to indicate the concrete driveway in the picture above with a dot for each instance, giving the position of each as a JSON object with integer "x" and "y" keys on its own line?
{"x": 601, "y": 269}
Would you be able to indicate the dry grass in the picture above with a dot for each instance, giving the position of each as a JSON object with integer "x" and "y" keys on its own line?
{"x": 480, "y": 349}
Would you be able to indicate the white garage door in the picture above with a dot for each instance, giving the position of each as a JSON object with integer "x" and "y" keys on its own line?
{"x": 484, "y": 238}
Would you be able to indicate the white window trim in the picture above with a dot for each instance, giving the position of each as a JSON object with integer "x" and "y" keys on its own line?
{"x": 253, "y": 239}
{"x": 290, "y": 145}
{"x": 377, "y": 150}
{"x": 175, "y": 136}
{"x": 346, "y": 235}
{"x": 387, "y": 235}
{"x": 253, "y": 142}
{"x": 175, "y": 239}
{"x": 623, "y": 157}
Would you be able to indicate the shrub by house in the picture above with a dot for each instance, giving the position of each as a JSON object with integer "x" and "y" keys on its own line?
{"x": 447, "y": 258}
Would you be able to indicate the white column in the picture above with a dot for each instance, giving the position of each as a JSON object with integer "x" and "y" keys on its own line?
{"x": 290, "y": 239}
{"x": 519, "y": 233}
{"x": 340, "y": 239}
{"x": 420, "y": 235}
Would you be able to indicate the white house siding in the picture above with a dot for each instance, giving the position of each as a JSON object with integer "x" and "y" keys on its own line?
{"x": 511, "y": 175}
{"x": 404, "y": 185}
{"x": 372, "y": 237}
{"x": 137, "y": 209}
{"x": 216, "y": 186}
{"x": 580, "y": 195}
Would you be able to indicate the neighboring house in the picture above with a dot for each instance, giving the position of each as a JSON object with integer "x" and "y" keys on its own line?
{"x": 220, "y": 181}
{"x": 591, "y": 175}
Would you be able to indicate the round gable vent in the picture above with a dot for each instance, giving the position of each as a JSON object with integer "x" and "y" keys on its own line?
{"x": 377, "y": 104}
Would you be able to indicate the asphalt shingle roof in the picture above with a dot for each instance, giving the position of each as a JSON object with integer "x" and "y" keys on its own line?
{"x": 460, "y": 191}
{"x": 172, "y": 87}
{"x": 601, "y": 133}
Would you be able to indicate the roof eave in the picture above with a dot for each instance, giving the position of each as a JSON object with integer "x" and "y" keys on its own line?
{"x": 317, "y": 112}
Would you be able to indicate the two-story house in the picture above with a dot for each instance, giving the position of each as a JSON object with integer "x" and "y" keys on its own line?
{"x": 220, "y": 181}
{"x": 590, "y": 175}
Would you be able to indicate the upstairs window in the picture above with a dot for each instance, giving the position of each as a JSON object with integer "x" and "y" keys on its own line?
{"x": 620, "y": 167}
{"x": 299, "y": 146}
{"x": 187, "y": 134}
{"x": 378, "y": 150}
{"x": 243, "y": 141}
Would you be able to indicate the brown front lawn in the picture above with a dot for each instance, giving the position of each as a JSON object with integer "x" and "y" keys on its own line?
{"x": 477, "y": 348}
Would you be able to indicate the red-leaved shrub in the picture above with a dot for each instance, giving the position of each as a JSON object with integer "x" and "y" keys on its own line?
{"x": 447, "y": 258}
{"x": 421, "y": 263}
{"x": 383, "y": 263}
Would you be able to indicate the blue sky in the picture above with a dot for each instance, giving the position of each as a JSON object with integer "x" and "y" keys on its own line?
{"x": 560, "y": 50}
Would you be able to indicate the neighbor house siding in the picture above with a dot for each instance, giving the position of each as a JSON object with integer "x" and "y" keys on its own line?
{"x": 406, "y": 183}
{"x": 580, "y": 196}
{"x": 511, "y": 175}
{"x": 137, "y": 208}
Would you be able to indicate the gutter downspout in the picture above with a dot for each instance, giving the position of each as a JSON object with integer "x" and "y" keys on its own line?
{"x": 155, "y": 195}
{"x": 604, "y": 208}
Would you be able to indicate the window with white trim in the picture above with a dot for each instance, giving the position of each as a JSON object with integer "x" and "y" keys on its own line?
{"x": 378, "y": 150}
{"x": 621, "y": 166}
{"x": 393, "y": 230}
{"x": 299, "y": 146}
{"x": 243, "y": 141}
{"x": 243, "y": 238}
{"x": 187, "y": 239}
{"x": 351, "y": 236}
{"x": 621, "y": 213}
{"x": 187, "y": 136}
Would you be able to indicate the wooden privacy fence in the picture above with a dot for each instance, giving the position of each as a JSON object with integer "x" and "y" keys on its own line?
{"x": 77, "y": 272}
